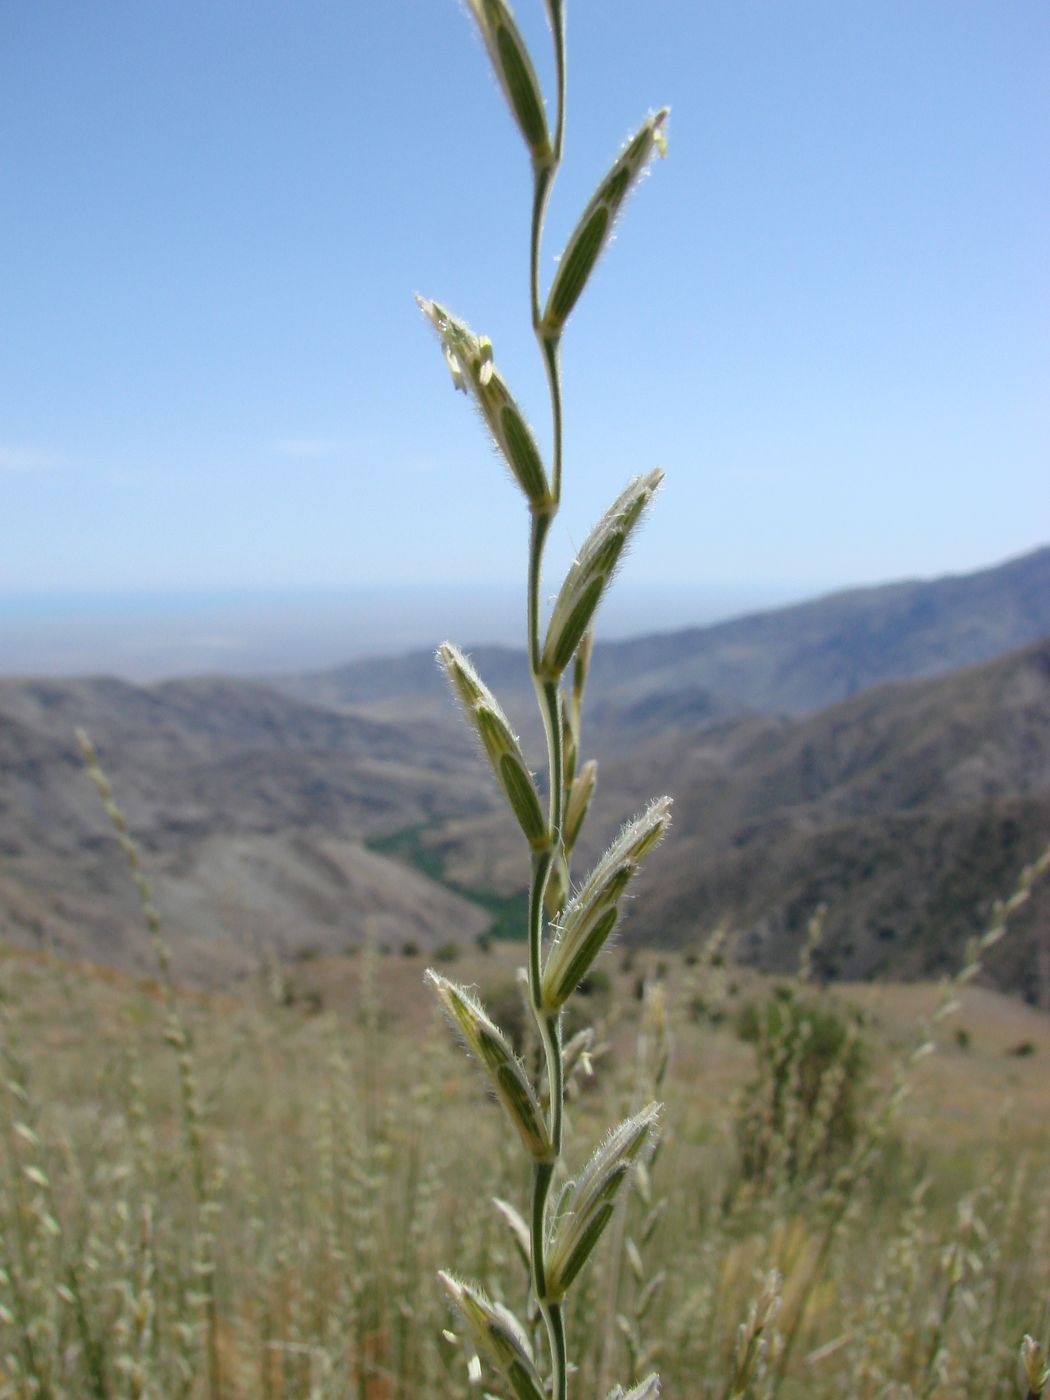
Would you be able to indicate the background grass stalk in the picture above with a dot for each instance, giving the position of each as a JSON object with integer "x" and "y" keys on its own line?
{"x": 178, "y": 1037}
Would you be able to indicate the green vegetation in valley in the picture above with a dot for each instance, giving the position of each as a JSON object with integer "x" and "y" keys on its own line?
{"x": 408, "y": 845}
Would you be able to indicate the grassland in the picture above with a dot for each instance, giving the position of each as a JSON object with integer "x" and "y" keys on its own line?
{"x": 257, "y": 1205}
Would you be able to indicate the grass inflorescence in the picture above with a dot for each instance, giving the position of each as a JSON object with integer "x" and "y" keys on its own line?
{"x": 565, "y": 1216}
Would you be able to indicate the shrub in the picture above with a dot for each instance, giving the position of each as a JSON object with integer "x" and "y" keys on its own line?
{"x": 802, "y": 1111}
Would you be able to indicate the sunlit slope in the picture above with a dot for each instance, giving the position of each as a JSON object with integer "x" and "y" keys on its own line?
{"x": 906, "y": 807}
{"x": 906, "y": 810}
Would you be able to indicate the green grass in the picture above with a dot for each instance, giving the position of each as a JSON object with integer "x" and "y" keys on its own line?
{"x": 408, "y": 846}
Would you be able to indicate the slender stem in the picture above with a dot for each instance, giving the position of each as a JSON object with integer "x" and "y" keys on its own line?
{"x": 541, "y": 1182}
{"x": 542, "y": 183}
{"x": 543, "y": 179}
{"x": 556, "y": 1331}
{"x": 541, "y": 868}
{"x": 551, "y": 345}
{"x": 549, "y": 696}
{"x": 551, "y": 1029}
{"x": 549, "y": 1026}
{"x": 542, "y": 1173}
{"x": 541, "y": 521}
{"x": 559, "y": 64}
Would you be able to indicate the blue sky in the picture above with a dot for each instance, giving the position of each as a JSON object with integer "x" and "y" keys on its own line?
{"x": 826, "y": 315}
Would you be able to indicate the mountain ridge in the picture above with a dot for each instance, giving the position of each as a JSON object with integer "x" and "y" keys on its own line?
{"x": 905, "y": 805}
{"x": 784, "y": 660}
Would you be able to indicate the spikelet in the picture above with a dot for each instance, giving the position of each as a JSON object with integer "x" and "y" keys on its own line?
{"x": 519, "y": 1231}
{"x": 499, "y": 1334}
{"x": 590, "y": 919}
{"x": 592, "y": 572}
{"x": 469, "y": 359}
{"x": 1034, "y": 1368}
{"x": 580, "y": 794}
{"x": 648, "y": 1389}
{"x": 588, "y": 1205}
{"x": 752, "y": 1337}
{"x": 517, "y": 77}
{"x": 493, "y": 1053}
{"x": 596, "y": 222}
{"x": 499, "y": 742}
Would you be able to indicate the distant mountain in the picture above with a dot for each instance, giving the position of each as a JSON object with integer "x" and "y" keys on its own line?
{"x": 810, "y": 655}
{"x": 830, "y": 752}
{"x": 906, "y": 810}
{"x": 781, "y": 662}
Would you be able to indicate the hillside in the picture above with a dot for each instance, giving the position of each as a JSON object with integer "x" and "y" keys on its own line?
{"x": 906, "y": 809}
{"x": 781, "y": 662}
{"x": 252, "y": 810}
{"x": 296, "y": 818}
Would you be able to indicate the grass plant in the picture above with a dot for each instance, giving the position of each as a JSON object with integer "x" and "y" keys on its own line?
{"x": 565, "y": 1216}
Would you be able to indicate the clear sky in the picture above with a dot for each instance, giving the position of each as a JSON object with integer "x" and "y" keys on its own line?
{"x": 826, "y": 315}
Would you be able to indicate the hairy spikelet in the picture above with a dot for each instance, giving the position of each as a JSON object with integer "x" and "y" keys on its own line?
{"x": 596, "y": 223}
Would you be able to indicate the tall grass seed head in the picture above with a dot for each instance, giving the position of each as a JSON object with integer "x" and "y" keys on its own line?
{"x": 581, "y": 666}
{"x": 492, "y": 1051}
{"x": 517, "y": 77}
{"x": 595, "y": 226}
{"x": 1033, "y": 1364}
{"x": 580, "y": 795}
{"x": 519, "y": 1231}
{"x": 498, "y": 1333}
{"x": 649, "y": 1389}
{"x": 576, "y": 1054}
{"x": 591, "y": 917}
{"x": 499, "y": 742}
{"x": 470, "y": 362}
{"x": 592, "y": 572}
{"x": 589, "y": 1204}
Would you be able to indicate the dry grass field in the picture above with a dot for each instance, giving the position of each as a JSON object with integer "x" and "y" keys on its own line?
{"x": 250, "y": 1194}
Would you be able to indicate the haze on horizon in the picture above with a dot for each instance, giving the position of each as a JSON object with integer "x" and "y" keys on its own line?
{"x": 825, "y": 315}
{"x": 152, "y": 637}
{"x": 158, "y": 636}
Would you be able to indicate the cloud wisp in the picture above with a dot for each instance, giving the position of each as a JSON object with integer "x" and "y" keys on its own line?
{"x": 16, "y": 457}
